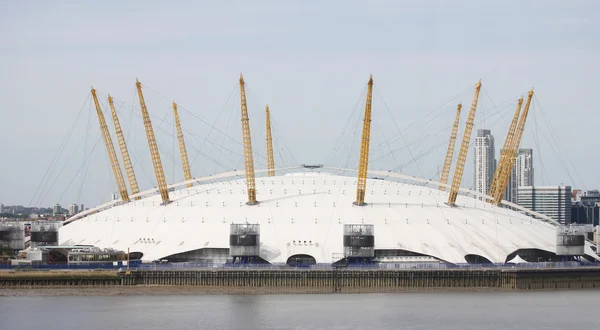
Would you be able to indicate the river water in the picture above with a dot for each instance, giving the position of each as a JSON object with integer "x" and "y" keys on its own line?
{"x": 469, "y": 310}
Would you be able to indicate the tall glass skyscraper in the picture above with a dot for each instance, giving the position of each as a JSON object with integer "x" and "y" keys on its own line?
{"x": 485, "y": 161}
{"x": 521, "y": 176}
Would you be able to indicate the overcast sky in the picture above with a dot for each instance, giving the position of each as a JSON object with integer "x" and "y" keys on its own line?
{"x": 310, "y": 60}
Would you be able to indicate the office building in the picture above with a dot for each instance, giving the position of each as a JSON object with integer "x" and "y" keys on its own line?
{"x": 73, "y": 209}
{"x": 586, "y": 207}
{"x": 585, "y": 213}
{"x": 590, "y": 196}
{"x": 1, "y": 208}
{"x": 521, "y": 176}
{"x": 552, "y": 201}
{"x": 485, "y": 161}
{"x": 56, "y": 209}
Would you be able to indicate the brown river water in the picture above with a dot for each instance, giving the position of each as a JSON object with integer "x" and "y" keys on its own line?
{"x": 427, "y": 310}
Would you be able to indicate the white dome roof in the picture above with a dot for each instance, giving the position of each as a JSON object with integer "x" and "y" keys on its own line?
{"x": 305, "y": 213}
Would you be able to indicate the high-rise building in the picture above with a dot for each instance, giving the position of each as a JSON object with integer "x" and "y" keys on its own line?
{"x": 56, "y": 209}
{"x": 73, "y": 209}
{"x": 553, "y": 201}
{"x": 485, "y": 161}
{"x": 114, "y": 196}
{"x": 81, "y": 208}
{"x": 1, "y": 208}
{"x": 521, "y": 176}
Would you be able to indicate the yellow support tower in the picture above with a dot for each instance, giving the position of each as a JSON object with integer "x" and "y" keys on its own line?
{"x": 512, "y": 153}
{"x": 450, "y": 152}
{"x": 156, "y": 162}
{"x": 363, "y": 164}
{"x": 124, "y": 152}
{"x": 270, "y": 158}
{"x": 110, "y": 149}
{"x": 464, "y": 148}
{"x": 248, "y": 158}
{"x": 187, "y": 172}
{"x": 503, "y": 152}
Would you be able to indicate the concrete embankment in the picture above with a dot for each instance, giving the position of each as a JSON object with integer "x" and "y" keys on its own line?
{"x": 252, "y": 281}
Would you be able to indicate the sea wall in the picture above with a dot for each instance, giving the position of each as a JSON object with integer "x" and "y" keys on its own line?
{"x": 58, "y": 278}
{"x": 317, "y": 281}
{"x": 544, "y": 279}
{"x": 348, "y": 280}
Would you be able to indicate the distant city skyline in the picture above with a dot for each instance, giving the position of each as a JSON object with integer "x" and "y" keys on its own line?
{"x": 50, "y": 211}
{"x": 310, "y": 62}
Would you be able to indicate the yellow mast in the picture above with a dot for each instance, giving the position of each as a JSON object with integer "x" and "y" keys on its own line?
{"x": 248, "y": 158}
{"x": 110, "y": 149}
{"x": 158, "y": 168}
{"x": 363, "y": 165}
{"x": 124, "y": 152}
{"x": 464, "y": 148}
{"x": 512, "y": 153}
{"x": 450, "y": 152}
{"x": 270, "y": 158}
{"x": 187, "y": 172}
{"x": 503, "y": 152}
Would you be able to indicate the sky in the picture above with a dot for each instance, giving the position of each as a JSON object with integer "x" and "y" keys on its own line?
{"x": 310, "y": 61}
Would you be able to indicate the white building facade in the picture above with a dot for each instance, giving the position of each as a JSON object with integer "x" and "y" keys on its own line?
{"x": 553, "y": 201}
{"x": 485, "y": 161}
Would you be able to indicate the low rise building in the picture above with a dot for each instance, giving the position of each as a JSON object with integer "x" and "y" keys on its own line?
{"x": 553, "y": 201}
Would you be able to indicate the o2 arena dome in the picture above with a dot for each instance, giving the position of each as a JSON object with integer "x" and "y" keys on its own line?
{"x": 304, "y": 214}
{"x": 313, "y": 215}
